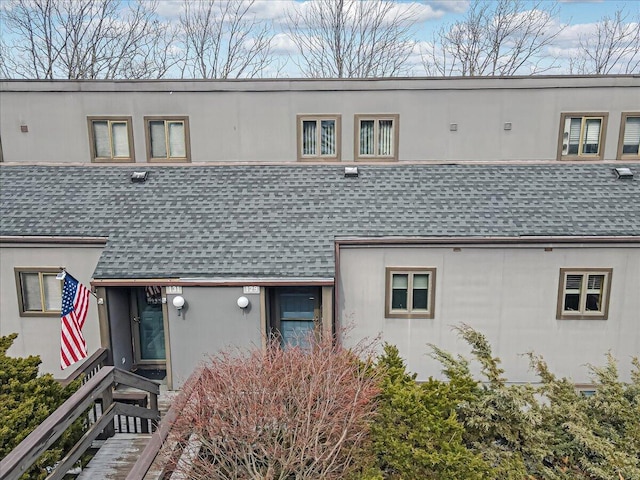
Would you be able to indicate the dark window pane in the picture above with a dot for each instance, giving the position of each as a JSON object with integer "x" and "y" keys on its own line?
{"x": 571, "y": 301}
{"x": 420, "y": 299}
{"x": 593, "y": 302}
{"x": 399, "y": 300}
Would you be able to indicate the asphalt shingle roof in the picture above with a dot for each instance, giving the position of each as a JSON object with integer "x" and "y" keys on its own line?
{"x": 281, "y": 220}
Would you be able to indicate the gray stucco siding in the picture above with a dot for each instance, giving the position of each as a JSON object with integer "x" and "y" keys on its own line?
{"x": 509, "y": 294}
{"x": 248, "y": 122}
{"x": 41, "y": 335}
{"x": 210, "y": 322}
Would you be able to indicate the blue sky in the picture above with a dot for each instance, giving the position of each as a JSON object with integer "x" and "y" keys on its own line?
{"x": 570, "y": 11}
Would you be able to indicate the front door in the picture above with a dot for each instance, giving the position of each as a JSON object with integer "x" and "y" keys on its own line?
{"x": 296, "y": 314}
{"x": 148, "y": 326}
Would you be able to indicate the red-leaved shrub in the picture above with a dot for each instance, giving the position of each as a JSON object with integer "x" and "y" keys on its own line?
{"x": 278, "y": 414}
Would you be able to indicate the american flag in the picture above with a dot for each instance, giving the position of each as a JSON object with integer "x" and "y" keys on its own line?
{"x": 75, "y": 303}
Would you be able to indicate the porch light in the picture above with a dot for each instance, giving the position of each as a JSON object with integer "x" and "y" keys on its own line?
{"x": 243, "y": 302}
{"x": 178, "y": 302}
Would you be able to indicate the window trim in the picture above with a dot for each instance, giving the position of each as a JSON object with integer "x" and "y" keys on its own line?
{"x": 411, "y": 271}
{"x": 40, "y": 270}
{"x": 623, "y": 124}
{"x": 395, "y": 117}
{"x": 187, "y": 138}
{"x": 92, "y": 140}
{"x": 581, "y": 315}
{"x": 318, "y": 118}
{"x": 603, "y": 135}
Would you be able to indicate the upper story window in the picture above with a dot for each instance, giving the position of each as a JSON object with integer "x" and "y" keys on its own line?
{"x": 167, "y": 139}
{"x": 629, "y": 144}
{"x": 582, "y": 136}
{"x": 376, "y": 137}
{"x": 111, "y": 139}
{"x": 39, "y": 291}
{"x": 319, "y": 137}
{"x": 410, "y": 292}
{"x": 584, "y": 293}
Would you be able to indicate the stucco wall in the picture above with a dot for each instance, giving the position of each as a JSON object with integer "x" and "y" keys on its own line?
{"x": 508, "y": 294}
{"x": 210, "y": 322}
{"x": 41, "y": 335}
{"x": 255, "y": 121}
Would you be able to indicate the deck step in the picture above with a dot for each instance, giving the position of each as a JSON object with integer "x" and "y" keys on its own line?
{"x": 116, "y": 457}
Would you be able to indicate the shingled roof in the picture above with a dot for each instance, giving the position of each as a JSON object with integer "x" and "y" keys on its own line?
{"x": 280, "y": 221}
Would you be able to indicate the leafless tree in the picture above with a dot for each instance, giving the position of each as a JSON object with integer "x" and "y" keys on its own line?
{"x": 352, "y": 38}
{"x": 223, "y": 39}
{"x": 88, "y": 39}
{"x": 613, "y": 46}
{"x": 506, "y": 37}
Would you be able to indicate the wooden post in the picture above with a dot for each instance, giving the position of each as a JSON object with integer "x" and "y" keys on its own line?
{"x": 107, "y": 400}
{"x": 153, "y": 400}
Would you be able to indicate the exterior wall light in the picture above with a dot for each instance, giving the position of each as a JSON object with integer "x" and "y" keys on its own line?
{"x": 243, "y": 302}
{"x": 178, "y": 302}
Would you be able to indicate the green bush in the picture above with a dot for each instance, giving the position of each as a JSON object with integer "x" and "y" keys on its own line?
{"x": 551, "y": 432}
{"x": 26, "y": 400}
{"x": 416, "y": 433}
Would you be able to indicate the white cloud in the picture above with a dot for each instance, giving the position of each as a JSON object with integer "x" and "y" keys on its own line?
{"x": 282, "y": 44}
{"x": 448, "y": 6}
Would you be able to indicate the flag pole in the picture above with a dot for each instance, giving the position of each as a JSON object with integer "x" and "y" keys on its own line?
{"x": 63, "y": 273}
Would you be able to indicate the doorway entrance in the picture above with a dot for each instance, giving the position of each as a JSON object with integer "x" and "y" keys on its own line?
{"x": 148, "y": 326}
{"x": 295, "y": 315}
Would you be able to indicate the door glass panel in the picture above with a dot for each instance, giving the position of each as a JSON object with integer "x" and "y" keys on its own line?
{"x": 297, "y": 313}
{"x": 298, "y": 306}
{"x": 151, "y": 324}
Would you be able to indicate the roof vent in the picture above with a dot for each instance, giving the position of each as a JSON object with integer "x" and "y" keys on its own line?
{"x": 350, "y": 171}
{"x": 139, "y": 177}
{"x": 623, "y": 173}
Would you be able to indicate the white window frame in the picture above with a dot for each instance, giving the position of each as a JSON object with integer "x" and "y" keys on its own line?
{"x": 110, "y": 122}
{"x": 300, "y": 119}
{"x": 167, "y": 120}
{"x": 582, "y": 313}
{"x": 623, "y": 128}
{"x": 377, "y": 118}
{"x": 410, "y": 312}
{"x": 563, "y": 143}
{"x": 41, "y": 272}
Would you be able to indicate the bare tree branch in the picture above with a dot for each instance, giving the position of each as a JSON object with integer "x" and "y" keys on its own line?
{"x": 279, "y": 414}
{"x": 223, "y": 39}
{"x": 507, "y": 37}
{"x": 613, "y": 47}
{"x": 85, "y": 39}
{"x": 352, "y": 38}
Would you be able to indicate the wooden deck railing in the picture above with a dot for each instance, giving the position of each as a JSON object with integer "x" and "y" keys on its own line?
{"x": 150, "y": 454}
{"x": 100, "y": 385}
{"x": 88, "y": 368}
